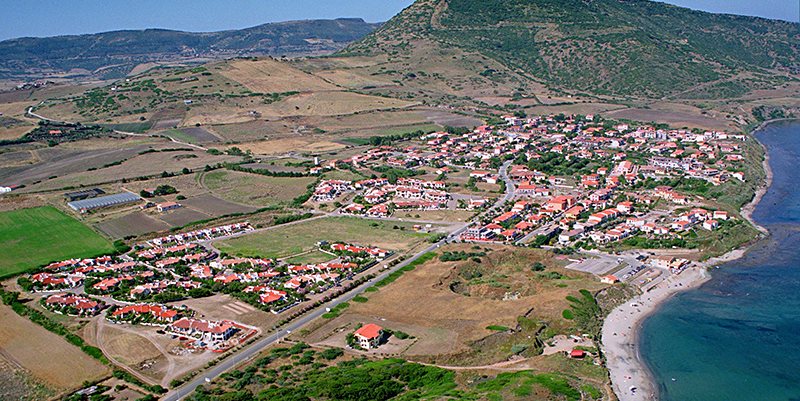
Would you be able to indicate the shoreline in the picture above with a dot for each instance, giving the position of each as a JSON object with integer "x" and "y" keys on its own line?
{"x": 620, "y": 333}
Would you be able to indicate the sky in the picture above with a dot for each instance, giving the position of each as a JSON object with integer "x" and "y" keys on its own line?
{"x": 63, "y": 17}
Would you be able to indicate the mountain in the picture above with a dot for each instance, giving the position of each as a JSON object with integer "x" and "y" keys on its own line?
{"x": 634, "y": 48}
{"x": 114, "y": 54}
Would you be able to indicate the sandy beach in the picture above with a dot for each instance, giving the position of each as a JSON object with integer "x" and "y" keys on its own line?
{"x": 630, "y": 378}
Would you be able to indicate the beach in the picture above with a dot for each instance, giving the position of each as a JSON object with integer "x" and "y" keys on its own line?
{"x": 630, "y": 378}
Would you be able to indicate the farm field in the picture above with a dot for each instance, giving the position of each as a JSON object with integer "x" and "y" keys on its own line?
{"x": 254, "y": 189}
{"x": 284, "y": 241}
{"x": 253, "y": 130}
{"x": 35, "y": 236}
{"x": 19, "y": 384}
{"x": 63, "y": 366}
{"x": 136, "y": 223}
{"x": 191, "y": 135}
{"x": 138, "y": 165}
{"x": 373, "y": 120}
{"x": 45, "y": 162}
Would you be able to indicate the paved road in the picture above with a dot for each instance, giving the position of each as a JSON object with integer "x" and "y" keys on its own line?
{"x": 510, "y": 192}
{"x": 253, "y": 349}
{"x": 510, "y": 188}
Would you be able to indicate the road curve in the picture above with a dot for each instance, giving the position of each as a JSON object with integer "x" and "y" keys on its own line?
{"x": 41, "y": 117}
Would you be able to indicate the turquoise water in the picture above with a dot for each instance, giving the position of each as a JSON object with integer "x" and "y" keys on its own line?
{"x": 736, "y": 337}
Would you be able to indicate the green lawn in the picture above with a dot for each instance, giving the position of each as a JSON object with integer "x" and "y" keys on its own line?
{"x": 292, "y": 239}
{"x": 36, "y": 236}
{"x": 310, "y": 258}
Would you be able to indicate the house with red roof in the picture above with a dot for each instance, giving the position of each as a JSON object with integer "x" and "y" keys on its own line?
{"x": 212, "y": 333}
{"x": 369, "y": 336}
{"x": 72, "y": 304}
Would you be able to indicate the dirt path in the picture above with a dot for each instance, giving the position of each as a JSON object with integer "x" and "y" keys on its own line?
{"x": 31, "y": 113}
{"x": 505, "y": 366}
{"x": 99, "y": 337}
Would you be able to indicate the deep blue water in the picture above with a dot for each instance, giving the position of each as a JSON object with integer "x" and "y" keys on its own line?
{"x": 737, "y": 337}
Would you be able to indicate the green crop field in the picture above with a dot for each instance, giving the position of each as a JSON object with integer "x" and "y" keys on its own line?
{"x": 32, "y": 237}
{"x": 292, "y": 239}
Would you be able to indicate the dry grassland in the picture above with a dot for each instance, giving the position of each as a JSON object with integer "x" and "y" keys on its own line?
{"x": 288, "y": 240}
{"x": 269, "y": 76}
{"x": 128, "y": 348}
{"x": 14, "y": 132}
{"x": 352, "y": 79}
{"x": 422, "y": 303}
{"x": 15, "y": 109}
{"x": 675, "y": 118}
{"x": 285, "y": 145}
{"x": 329, "y": 104}
{"x": 435, "y": 215}
{"x": 253, "y": 189}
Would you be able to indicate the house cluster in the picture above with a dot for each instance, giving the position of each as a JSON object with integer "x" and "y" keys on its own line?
{"x": 589, "y": 181}
{"x": 204, "y": 234}
{"x": 149, "y": 314}
{"x": 180, "y": 266}
{"x": 217, "y": 336}
{"x": 377, "y": 197}
{"x": 72, "y": 272}
{"x": 72, "y": 304}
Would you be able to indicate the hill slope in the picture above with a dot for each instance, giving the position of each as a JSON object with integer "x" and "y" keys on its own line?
{"x": 633, "y": 48}
{"x": 114, "y": 54}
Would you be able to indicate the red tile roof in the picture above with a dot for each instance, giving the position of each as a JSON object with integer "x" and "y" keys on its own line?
{"x": 369, "y": 331}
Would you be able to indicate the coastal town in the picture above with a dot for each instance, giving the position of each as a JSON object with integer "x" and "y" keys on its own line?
{"x": 418, "y": 200}
{"x": 626, "y": 204}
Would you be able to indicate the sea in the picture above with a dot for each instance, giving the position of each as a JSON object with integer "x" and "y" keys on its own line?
{"x": 737, "y": 337}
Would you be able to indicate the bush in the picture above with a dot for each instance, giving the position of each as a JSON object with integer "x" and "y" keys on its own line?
{"x": 331, "y": 353}
{"x": 497, "y": 328}
{"x": 402, "y": 335}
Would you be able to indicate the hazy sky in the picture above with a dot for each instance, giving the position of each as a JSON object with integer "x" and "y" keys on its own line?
{"x": 62, "y": 17}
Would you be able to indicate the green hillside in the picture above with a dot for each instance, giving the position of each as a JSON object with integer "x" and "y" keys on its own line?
{"x": 605, "y": 47}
